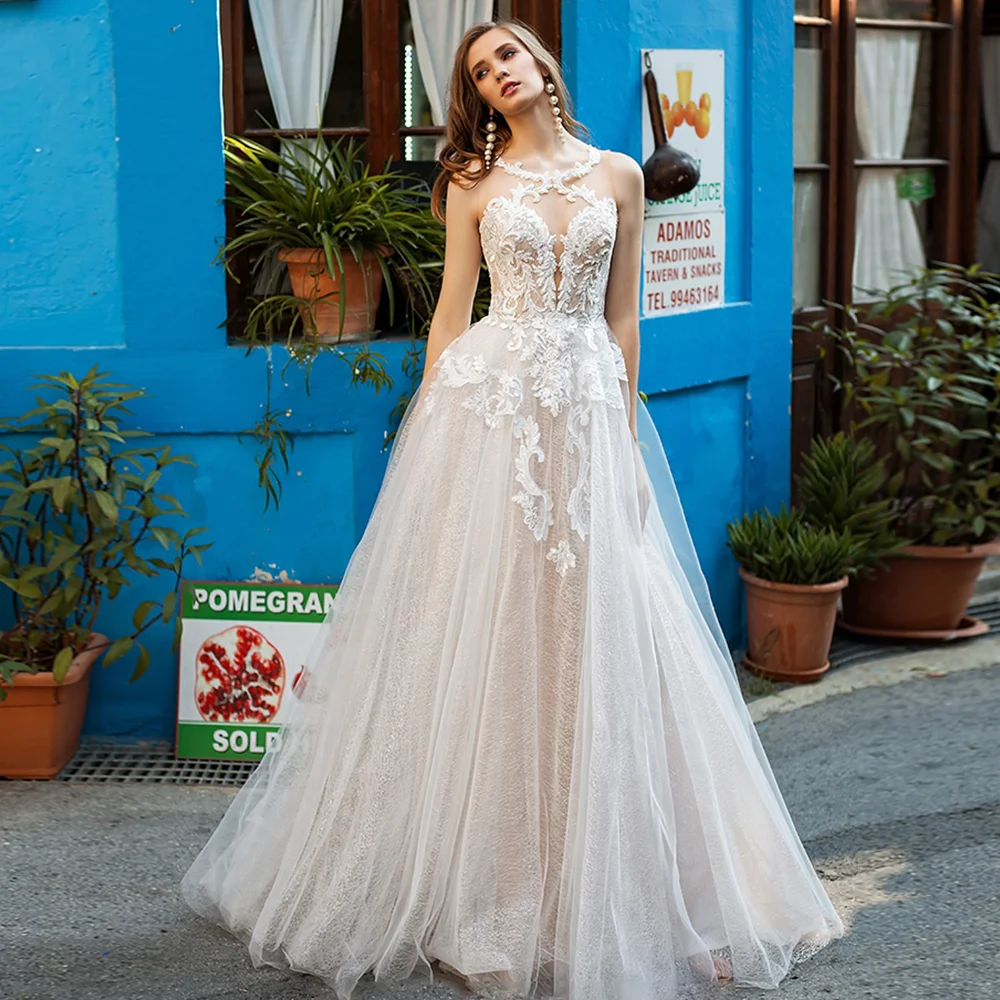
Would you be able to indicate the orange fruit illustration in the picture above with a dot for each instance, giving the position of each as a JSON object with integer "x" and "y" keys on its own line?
{"x": 665, "y": 104}
{"x": 678, "y": 113}
{"x": 689, "y": 112}
{"x": 701, "y": 123}
{"x": 705, "y": 103}
{"x": 668, "y": 121}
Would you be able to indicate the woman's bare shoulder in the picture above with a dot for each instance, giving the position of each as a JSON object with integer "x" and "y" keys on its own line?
{"x": 625, "y": 171}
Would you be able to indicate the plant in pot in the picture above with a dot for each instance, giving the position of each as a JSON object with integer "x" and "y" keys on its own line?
{"x": 318, "y": 236}
{"x": 793, "y": 572}
{"x": 79, "y": 507}
{"x": 922, "y": 379}
{"x": 341, "y": 231}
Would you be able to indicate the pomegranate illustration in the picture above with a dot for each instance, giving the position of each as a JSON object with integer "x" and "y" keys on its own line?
{"x": 239, "y": 677}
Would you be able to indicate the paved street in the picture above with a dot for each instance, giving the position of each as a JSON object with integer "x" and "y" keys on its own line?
{"x": 895, "y": 791}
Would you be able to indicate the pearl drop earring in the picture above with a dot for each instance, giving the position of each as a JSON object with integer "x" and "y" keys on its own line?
{"x": 550, "y": 89}
{"x": 491, "y": 138}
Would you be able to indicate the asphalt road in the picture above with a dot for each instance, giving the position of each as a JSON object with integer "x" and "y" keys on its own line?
{"x": 895, "y": 790}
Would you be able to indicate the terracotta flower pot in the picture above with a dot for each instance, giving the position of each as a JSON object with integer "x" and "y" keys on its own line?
{"x": 40, "y": 720}
{"x": 925, "y": 588}
{"x": 789, "y": 628}
{"x": 361, "y": 288}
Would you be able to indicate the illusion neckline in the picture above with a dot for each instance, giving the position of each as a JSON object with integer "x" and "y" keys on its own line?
{"x": 579, "y": 169}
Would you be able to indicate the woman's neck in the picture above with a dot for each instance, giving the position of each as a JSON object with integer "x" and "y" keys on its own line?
{"x": 535, "y": 142}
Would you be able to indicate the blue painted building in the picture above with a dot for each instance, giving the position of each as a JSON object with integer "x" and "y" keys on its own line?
{"x": 111, "y": 215}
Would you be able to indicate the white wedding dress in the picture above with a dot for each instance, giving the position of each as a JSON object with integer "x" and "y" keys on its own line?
{"x": 519, "y": 749}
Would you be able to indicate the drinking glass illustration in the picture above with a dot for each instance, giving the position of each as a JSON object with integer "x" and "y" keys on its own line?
{"x": 684, "y": 73}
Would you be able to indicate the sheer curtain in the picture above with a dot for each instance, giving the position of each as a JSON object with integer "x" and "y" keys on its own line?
{"x": 887, "y": 242}
{"x": 988, "y": 243}
{"x": 438, "y": 27}
{"x": 297, "y": 40}
{"x": 807, "y": 148}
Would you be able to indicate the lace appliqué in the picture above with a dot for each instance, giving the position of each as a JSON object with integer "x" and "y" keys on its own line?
{"x": 532, "y": 499}
{"x": 563, "y": 557}
{"x": 564, "y": 360}
{"x": 497, "y": 394}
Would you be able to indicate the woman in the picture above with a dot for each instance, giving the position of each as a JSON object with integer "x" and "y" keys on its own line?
{"x": 520, "y": 753}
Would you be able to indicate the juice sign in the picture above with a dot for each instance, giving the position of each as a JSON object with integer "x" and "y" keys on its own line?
{"x": 692, "y": 91}
{"x": 243, "y": 646}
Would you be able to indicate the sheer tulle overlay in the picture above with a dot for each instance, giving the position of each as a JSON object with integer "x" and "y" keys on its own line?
{"x": 519, "y": 749}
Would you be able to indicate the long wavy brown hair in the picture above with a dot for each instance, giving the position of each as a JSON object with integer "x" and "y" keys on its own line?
{"x": 465, "y": 129}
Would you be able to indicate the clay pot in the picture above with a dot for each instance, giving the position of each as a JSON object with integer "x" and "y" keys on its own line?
{"x": 361, "y": 287}
{"x": 925, "y": 588}
{"x": 789, "y": 628}
{"x": 40, "y": 720}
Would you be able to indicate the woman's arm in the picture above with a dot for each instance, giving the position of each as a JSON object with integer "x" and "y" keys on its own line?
{"x": 621, "y": 308}
{"x": 462, "y": 254}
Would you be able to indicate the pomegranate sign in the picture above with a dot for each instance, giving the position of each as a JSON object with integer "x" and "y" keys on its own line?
{"x": 243, "y": 646}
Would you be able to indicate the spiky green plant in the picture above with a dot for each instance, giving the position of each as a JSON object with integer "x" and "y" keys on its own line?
{"x": 840, "y": 487}
{"x": 315, "y": 194}
{"x": 785, "y": 548}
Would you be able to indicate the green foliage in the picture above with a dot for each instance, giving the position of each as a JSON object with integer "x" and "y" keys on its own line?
{"x": 76, "y": 509}
{"x": 838, "y": 488}
{"x": 785, "y": 548}
{"x": 316, "y": 194}
{"x": 924, "y": 368}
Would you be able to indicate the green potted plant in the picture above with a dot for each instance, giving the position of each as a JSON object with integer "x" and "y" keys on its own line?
{"x": 922, "y": 379}
{"x": 341, "y": 230}
{"x": 793, "y": 572}
{"x": 78, "y": 508}
{"x": 840, "y": 487}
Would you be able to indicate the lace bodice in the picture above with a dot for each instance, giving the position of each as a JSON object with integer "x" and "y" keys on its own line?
{"x": 544, "y": 359}
{"x": 530, "y": 281}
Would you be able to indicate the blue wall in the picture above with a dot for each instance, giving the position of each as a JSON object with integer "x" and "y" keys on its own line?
{"x": 719, "y": 381}
{"x": 110, "y": 217}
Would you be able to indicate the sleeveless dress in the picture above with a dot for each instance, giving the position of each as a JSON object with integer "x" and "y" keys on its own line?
{"x": 519, "y": 749}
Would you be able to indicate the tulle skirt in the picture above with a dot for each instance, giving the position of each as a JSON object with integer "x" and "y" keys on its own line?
{"x": 519, "y": 749}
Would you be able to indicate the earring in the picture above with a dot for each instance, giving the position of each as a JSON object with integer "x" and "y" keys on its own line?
{"x": 550, "y": 89}
{"x": 491, "y": 138}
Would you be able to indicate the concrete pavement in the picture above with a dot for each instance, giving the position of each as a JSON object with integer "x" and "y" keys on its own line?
{"x": 893, "y": 785}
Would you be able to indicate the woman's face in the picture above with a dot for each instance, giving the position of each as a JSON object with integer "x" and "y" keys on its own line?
{"x": 504, "y": 72}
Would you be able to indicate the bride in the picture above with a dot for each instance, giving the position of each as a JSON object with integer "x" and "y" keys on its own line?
{"x": 519, "y": 753}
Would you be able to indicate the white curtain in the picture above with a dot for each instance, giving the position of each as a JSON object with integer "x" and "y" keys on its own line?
{"x": 438, "y": 27}
{"x": 887, "y": 241}
{"x": 807, "y": 148}
{"x": 298, "y": 43}
{"x": 988, "y": 241}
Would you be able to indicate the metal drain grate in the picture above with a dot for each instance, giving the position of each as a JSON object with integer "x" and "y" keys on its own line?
{"x": 150, "y": 763}
{"x": 849, "y": 648}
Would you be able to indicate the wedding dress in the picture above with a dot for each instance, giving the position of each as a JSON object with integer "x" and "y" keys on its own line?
{"x": 519, "y": 749}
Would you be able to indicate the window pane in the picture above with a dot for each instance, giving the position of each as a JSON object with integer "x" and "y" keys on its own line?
{"x": 891, "y": 233}
{"x": 808, "y": 236}
{"x": 988, "y": 217}
{"x": 918, "y": 139}
{"x": 345, "y": 107}
{"x": 808, "y": 103}
{"x": 893, "y": 110}
{"x": 258, "y": 109}
{"x": 809, "y": 8}
{"x": 416, "y": 108}
{"x": 898, "y": 10}
{"x": 345, "y": 104}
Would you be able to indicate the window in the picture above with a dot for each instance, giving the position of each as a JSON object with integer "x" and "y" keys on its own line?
{"x": 882, "y": 151}
{"x": 379, "y": 68}
{"x": 878, "y": 154}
